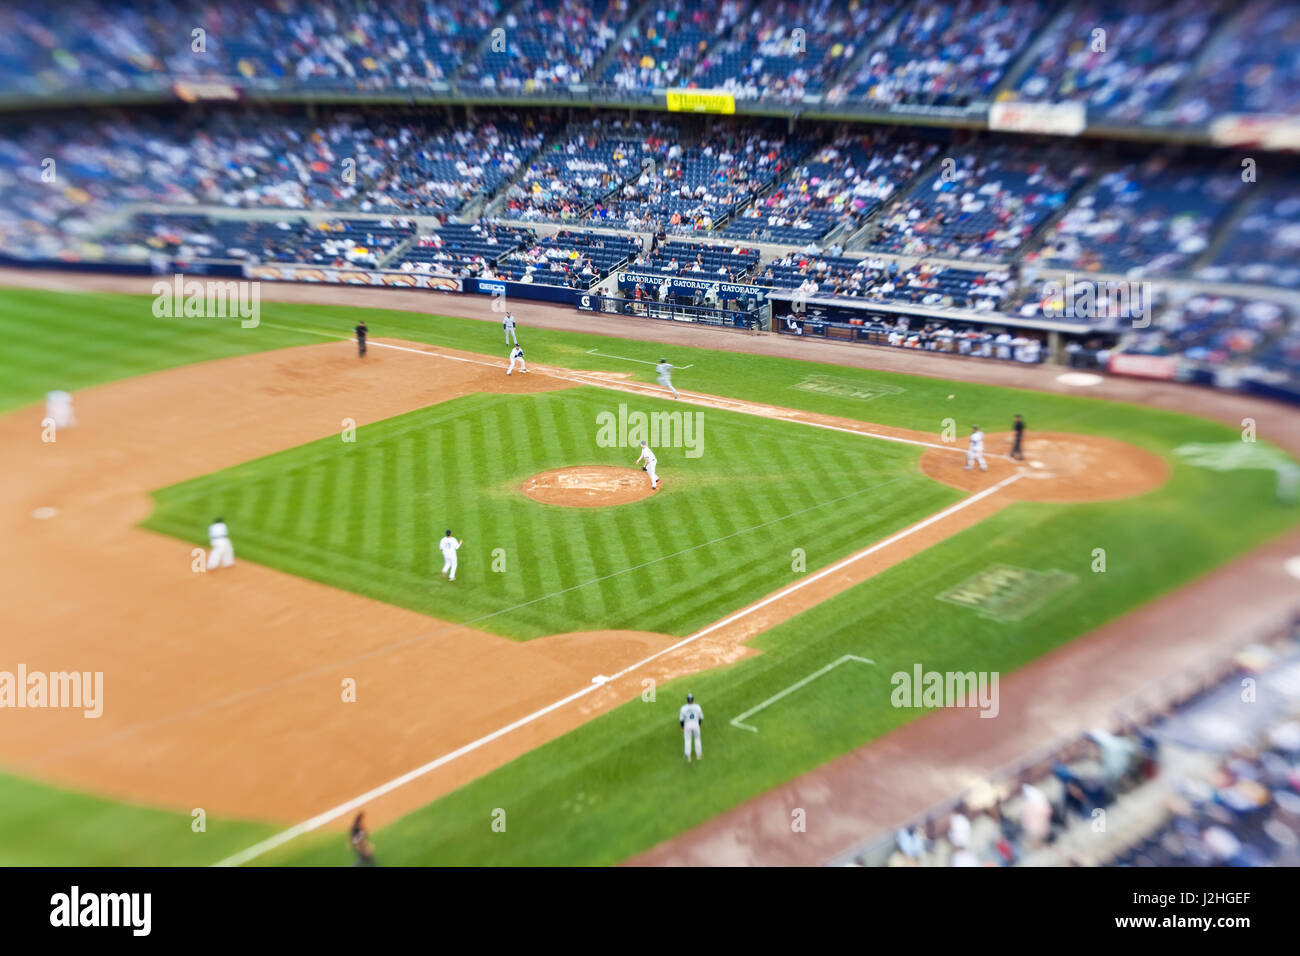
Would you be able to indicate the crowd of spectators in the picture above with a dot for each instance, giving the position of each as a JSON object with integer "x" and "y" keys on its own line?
{"x": 843, "y": 183}
{"x": 546, "y": 43}
{"x": 788, "y": 49}
{"x": 945, "y": 53}
{"x": 701, "y": 260}
{"x": 692, "y": 189}
{"x": 1253, "y": 66}
{"x": 460, "y": 249}
{"x": 1262, "y": 245}
{"x": 979, "y": 204}
{"x": 1133, "y": 61}
{"x": 664, "y": 44}
{"x": 60, "y": 180}
{"x": 368, "y": 44}
{"x": 875, "y": 278}
{"x": 1190, "y": 784}
{"x": 567, "y": 258}
{"x": 1250, "y": 335}
{"x": 564, "y": 180}
{"x": 1149, "y": 219}
{"x": 437, "y": 171}
{"x": 1122, "y": 58}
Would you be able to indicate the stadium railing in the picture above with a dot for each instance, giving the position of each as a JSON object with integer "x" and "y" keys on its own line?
{"x": 751, "y": 321}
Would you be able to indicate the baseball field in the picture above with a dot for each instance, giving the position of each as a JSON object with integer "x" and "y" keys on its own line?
{"x": 815, "y": 533}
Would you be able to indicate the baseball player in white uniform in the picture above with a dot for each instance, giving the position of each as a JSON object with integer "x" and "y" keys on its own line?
{"x": 509, "y": 326}
{"x": 650, "y": 462}
{"x": 975, "y": 453}
{"x": 665, "y": 371}
{"x": 222, "y": 553}
{"x": 516, "y": 355}
{"x": 690, "y": 717}
{"x": 58, "y": 408}
{"x": 449, "y": 546}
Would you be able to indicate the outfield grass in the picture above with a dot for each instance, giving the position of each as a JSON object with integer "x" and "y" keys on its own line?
{"x": 49, "y": 826}
{"x": 367, "y": 515}
{"x": 615, "y": 786}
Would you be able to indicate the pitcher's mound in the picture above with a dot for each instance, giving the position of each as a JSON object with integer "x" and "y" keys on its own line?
{"x": 588, "y": 486}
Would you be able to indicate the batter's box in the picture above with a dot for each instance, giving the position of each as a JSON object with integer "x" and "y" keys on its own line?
{"x": 1004, "y": 592}
{"x": 846, "y": 388}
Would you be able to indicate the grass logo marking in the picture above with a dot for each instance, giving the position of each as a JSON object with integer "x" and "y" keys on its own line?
{"x": 846, "y": 388}
{"x": 1234, "y": 456}
{"x": 1004, "y": 592}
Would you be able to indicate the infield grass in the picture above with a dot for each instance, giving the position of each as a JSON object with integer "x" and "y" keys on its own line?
{"x": 720, "y": 533}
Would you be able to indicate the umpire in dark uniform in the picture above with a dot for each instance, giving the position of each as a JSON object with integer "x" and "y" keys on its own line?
{"x": 1017, "y": 447}
{"x": 361, "y": 331}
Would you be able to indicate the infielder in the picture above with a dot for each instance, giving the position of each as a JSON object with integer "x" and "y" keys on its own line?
{"x": 975, "y": 453}
{"x": 690, "y": 717}
{"x": 649, "y": 467}
{"x": 449, "y": 546}
{"x": 516, "y": 355}
{"x": 665, "y": 370}
{"x": 509, "y": 326}
{"x": 361, "y": 332}
{"x": 222, "y": 553}
{"x": 58, "y": 409}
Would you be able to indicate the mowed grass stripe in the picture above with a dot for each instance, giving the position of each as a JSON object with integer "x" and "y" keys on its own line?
{"x": 688, "y": 554}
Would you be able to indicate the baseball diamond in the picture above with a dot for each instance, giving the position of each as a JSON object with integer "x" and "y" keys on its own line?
{"x": 611, "y": 434}
{"x": 803, "y": 532}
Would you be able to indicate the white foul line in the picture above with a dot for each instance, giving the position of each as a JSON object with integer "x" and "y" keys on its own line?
{"x": 318, "y": 821}
{"x": 626, "y": 359}
{"x": 737, "y": 406}
{"x": 736, "y": 721}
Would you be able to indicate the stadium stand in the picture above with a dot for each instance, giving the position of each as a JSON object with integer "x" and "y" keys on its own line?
{"x": 537, "y": 48}
{"x": 786, "y": 50}
{"x": 1255, "y": 337}
{"x": 1250, "y": 66}
{"x": 980, "y": 203}
{"x": 664, "y": 43}
{"x": 1185, "y": 782}
{"x": 695, "y": 188}
{"x": 1151, "y": 218}
{"x": 1262, "y": 245}
{"x": 464, "y": 249}
{"x": 945, "y": 54}
{"x": 1122, "y": 59}
{"x": 845, "y": 182}
{"x": 1152, "y": 62}
{"x": 725, "y": 263}
{"x": 563, "y": 182}
{"x": 873, "y": 278}
{"x": 567, "y": 258}
{"x": 439, "y": 171}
